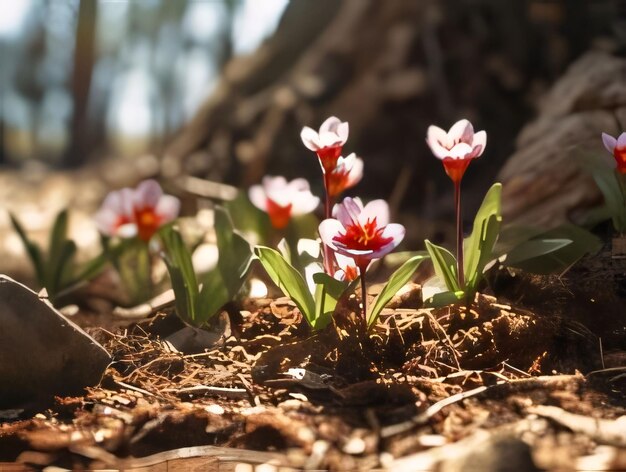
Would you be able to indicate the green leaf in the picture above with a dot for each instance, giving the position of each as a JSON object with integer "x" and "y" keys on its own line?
{"x": 479, "y": 246}
{"x": 62, "y": 277}
{"x": 248, "y": 218}
{"x": 397, "y": 280}
{"x": 288, "y": 280}
{"x": 177, "y": 258}
{"x": 534, "y": 248}
{"x": 442, "y": 299}
{"x": 91, "y": 269}
{"x": 58, "y": 236}
{"x": 581, "y": 242}
{"x": 213, "y": 296}
{"x": 444, "y": 264}
{"x": 328, "y": 291}
{"x": 32, "y": 249}
{"x": 608, "y": 181}
{"x": 235, "y": 254}
{"x": 512, "y": 235}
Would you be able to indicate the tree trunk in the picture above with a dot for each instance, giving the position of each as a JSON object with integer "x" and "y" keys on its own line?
{"x": 84, "y": 58}
{"x": 391, "y": 69}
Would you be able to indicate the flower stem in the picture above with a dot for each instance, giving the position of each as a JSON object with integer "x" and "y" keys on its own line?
{"x": 363, "y": 293}
{"x": 459, "y": 234}
{"x": 329, "y": 259}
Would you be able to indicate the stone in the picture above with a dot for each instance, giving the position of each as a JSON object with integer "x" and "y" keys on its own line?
{"x": 42, "y": 353}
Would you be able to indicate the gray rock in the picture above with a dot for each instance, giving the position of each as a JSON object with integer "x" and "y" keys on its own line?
{"x": 42, "y": 353}
{"x": 192, "y": 340}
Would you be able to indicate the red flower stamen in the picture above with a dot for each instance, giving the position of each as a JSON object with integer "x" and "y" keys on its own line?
{"x": 363, "y": 238}
{"x": 148, "y": 222}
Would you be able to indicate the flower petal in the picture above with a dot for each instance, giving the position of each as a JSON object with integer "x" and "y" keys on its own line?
{"x": 378, "y": 209}
{"x": 328, "y": 139}
{"x": 310, "y": 138}
{"x": 106, "y": 221}
{"x": 344, "y": 261}
{"x": 460, "y": 151}
{"x": 329, "y": 229}
{"x": 621, "y": 141}
{"x": 355, "y": 174}
{"x": 303, "y": 202}
{"x": 168, "y": 208}
{"x": 348, "y": 211}
{"x": 298, "y": 185}
{"x": 609, "y": 142}
{"x": 479, "y": 143}
{"x": 147, "y": 194}
{"x": 461, "y": 132}
{"x": 257, "y": 196}
{"x": 330, "y": 125}
{"x": 396, "y": 232}
{"x": 128, "y": 230}
{"x": 436, "y": 138}
{"x": 343, "y": 130}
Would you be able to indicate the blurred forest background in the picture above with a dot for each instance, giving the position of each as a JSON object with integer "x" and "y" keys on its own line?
{"x": 84, "y": 78}
{"x": 219, "y": 89}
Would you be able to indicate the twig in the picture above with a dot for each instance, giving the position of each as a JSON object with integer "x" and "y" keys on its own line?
{"x": 136, "y": 389}
{"x": 222, "y": 390}
{"x": 423, "y": 418}
{"x": 431, "y": 411}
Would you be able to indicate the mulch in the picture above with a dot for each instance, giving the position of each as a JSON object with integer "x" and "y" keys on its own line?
{"x": 491, "y": 386}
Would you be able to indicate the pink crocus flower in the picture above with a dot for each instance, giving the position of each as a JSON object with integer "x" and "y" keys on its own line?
{"x": 362, "y": 233}
{"x": 347, "y": 173}
{"x": 457, "y": 147}
{"x": 617, "y": 147}
{"x": 327, "y": 142}
{"x": 136, "y": 212}
{"x": 281, "y": 199}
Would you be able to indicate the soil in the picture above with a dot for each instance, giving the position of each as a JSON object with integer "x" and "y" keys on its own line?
{"x": 509, "y": 384}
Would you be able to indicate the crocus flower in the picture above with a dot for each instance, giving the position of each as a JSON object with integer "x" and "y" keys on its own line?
{"x": 457, "y": 147}
{"x": 361, "y": 232}
{"x": 617, "y": 147}
{"x": 347, "y": 268}
{"x": 136, "y": 212}
{"x": 328, "y": 142}
{"x": 347, "y": 173}
{"x": 281, "y": 199}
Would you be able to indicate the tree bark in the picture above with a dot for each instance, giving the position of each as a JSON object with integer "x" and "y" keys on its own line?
{"x": 84, "y": 59}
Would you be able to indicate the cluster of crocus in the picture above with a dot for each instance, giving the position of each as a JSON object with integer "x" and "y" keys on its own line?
{"x": 456, "y": 149}
{"x": 617, "y": 147}
{"x": 339, "y": 173}
{"x": 140, "y": 212}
